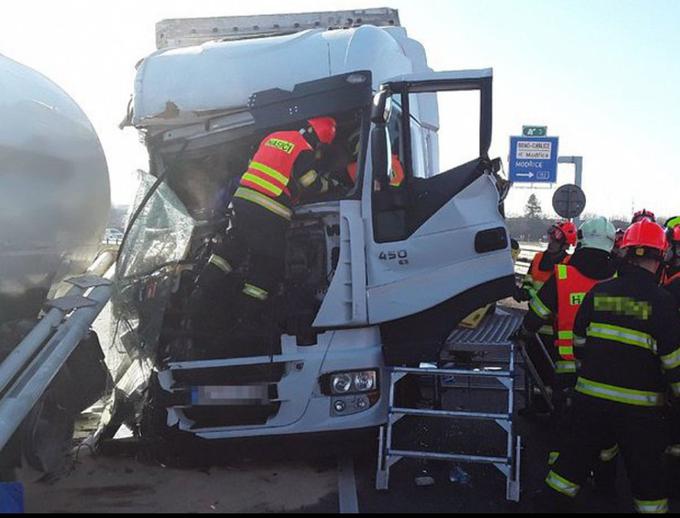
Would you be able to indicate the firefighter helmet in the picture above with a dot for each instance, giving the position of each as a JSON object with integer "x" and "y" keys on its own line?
{"x": 673, "y": 236}
{"x": 646, "y": 238}
{"x": 325, "y": 128}
{"x": 597, "y": 233}
{"x": 673, "y": 222}
{"x": 643, "y": 214}
{"x": 564, "y": 231}
{"x": 673, "y": 253}
{"x": 618, "y": 243}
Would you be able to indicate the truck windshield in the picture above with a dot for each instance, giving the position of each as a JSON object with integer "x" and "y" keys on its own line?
{"x": 159, "y": 237}
{"x": 148, "y": 269}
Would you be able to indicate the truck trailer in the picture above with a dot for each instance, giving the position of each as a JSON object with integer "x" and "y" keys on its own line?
{"x": 54, "y": 203}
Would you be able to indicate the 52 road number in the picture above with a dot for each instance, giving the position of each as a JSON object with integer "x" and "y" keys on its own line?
{"x": 400, "y": 256}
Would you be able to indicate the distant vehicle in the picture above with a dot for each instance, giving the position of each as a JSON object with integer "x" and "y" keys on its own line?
{"x": 54, "y": 190}
{"x": 372, "y": 273}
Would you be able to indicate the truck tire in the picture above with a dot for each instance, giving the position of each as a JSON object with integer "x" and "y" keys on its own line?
{"x": 47, "y": 432}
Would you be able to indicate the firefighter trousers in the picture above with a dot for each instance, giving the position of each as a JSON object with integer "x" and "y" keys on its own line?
{"x": 562, "y": 428}
{"x": 642, "y": 435}
{"x": 258, "y": 236}
{"x": 263, "y": 234}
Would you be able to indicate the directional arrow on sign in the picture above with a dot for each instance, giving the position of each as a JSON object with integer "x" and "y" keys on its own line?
{"x": 525, "y": 175}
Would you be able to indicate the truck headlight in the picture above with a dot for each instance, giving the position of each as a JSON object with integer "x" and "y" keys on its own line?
{"x": 364, "y": 381}
{"x": 359, "y": 382}
{"x": 341, "y": 383}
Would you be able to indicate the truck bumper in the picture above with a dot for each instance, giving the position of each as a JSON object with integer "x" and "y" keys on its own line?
{"x": 295, "y": 402}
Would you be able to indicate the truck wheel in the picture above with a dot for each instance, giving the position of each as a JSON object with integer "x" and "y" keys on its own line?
{"x": 47, "y": 432}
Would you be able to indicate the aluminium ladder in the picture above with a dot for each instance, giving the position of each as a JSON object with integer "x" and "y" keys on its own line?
{"x": 493, "y": 334}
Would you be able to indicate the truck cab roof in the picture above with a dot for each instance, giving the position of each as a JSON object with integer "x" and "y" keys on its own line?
{"x": 179, "y": 86}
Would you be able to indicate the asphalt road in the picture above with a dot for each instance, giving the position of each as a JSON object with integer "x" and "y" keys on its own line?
{"x": 287, "y": 475}
{"x": 301, "y": 474}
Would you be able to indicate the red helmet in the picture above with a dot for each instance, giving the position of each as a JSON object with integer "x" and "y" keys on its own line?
{"x": 325, "y": 128}
{"x": 644, "y": 214}
{"x": 645, "y": 235}
{"x": 565, "y": 231}
{"x": 618, "y": 244}
{"x": 674, "y": 235}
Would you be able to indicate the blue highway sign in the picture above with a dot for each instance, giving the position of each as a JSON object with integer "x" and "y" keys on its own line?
{"x": 534, "y": 160}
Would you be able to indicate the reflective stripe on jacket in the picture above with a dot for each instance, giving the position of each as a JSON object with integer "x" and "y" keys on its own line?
{"x": 631, "y": 354}
{"x": 572, "y": 288}
{"x": 536, "y": 278}
{"x": 271, "y": 169}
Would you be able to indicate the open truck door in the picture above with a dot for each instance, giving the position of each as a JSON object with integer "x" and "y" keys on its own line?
{"x": 437, "y": 247}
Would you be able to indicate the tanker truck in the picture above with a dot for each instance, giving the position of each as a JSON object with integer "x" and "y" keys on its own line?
{"x": 374, "y": 276}
{"x": 54, "y": 205}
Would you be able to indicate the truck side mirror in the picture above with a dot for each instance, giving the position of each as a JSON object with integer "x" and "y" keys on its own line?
{"x": 382, "y": 107}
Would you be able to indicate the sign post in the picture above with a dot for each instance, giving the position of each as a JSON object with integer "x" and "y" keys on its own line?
{"x": 578, "y": 165}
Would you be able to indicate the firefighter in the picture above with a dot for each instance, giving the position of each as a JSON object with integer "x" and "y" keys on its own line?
{"x": 671, "y": 282}
{"x": 557, "y": 303}
{"x": 618, "y": 253}
{"x": 627, "y": 337}
{"x": 397, "y": 176}
{"x": 281, "y": 173}
{"x": 561, "y": 237}
{"x": 643, "y": 214}
{"x": 671, "y": 279}
{"x": 673, "y": 222}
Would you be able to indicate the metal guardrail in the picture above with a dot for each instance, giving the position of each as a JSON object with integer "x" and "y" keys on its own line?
{"x": 33, "y": 364}
{"x": 527, "y": 253}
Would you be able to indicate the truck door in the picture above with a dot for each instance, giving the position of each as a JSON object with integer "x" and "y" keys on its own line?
{"x": 437, "y": 247}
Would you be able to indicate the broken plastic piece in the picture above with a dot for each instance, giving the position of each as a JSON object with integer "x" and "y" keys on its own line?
{"x": 457, "y": 475}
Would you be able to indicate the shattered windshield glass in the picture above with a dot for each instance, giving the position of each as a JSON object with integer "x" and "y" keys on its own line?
{"x": 148, "y": 269}
{"x": 161, "y": 234}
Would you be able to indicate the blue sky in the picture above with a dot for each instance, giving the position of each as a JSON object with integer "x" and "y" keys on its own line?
{"x": 602, "y": 74}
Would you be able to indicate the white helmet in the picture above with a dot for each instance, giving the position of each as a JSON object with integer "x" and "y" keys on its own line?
{"x": 597, "y": 233}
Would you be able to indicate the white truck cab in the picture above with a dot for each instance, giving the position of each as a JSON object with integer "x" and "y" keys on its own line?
{"x": 376, "y": 274}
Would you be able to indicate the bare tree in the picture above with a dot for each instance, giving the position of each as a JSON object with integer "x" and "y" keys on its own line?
{"x": 533, "y": 208}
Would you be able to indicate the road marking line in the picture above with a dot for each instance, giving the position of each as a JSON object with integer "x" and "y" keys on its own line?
{"x": 347, "y": 486}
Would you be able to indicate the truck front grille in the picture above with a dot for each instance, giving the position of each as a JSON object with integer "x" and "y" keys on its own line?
{"x": 225, "y": 416}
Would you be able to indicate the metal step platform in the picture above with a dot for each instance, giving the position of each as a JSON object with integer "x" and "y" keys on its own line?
{"x": 491, "y": 337}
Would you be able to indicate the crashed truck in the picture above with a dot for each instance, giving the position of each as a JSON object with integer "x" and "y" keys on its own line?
{"x": 374, "y": 276}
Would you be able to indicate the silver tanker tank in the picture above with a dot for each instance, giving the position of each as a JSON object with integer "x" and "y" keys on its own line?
{"x": 54, "y": 189}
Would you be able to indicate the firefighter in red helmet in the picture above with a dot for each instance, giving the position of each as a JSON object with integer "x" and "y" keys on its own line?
{"x": 671, "y": 279}
{"x": 643, "y": 214}
{"x": 671, "y": 282}
{"x": 561, "y": 236}
{"x": 281, "y": 173}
